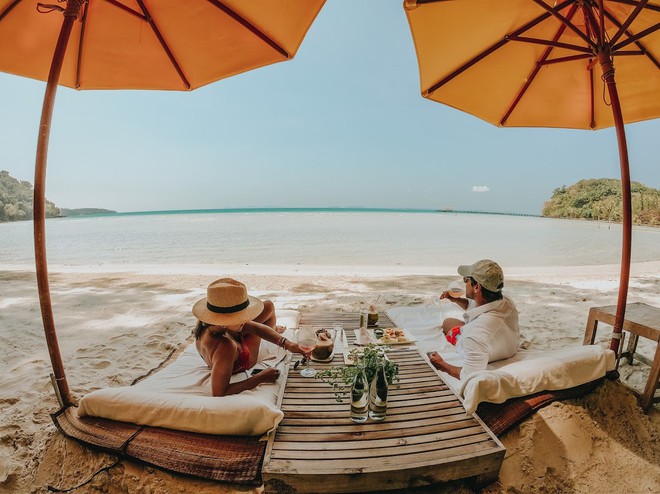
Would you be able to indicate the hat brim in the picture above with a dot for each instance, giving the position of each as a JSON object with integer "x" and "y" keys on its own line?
{"x": 465, "y": 270}
{"x": 254, "y": 308}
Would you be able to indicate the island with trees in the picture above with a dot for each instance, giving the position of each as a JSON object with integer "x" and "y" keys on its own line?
{"x": 16, "y": 202}
{"x": 600, "y": 199}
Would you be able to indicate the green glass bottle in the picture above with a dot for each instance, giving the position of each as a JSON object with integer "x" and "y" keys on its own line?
{"x": 378, "y": 392}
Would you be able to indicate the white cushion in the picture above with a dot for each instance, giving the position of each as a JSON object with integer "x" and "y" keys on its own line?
{"x": 527, "y": 372}
{"x": 531, "y": 371}
{"x": 179, "y": 397}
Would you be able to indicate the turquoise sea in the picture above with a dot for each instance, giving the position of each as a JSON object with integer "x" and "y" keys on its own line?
{"x": 321, "y": 237}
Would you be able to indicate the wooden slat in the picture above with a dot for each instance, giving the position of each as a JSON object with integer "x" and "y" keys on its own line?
{"x": 390, "y": 449}
{"x": 426, "y": 437}
{"x": 333, "y": 435}
{"x": 378, "y": 443}
{"x": 373, "y": 463}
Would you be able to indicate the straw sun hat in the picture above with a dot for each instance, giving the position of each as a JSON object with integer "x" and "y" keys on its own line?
{"x": 227, "y": 303}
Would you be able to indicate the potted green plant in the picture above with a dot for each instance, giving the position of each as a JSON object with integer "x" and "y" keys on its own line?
{"x": 370, "y": 357}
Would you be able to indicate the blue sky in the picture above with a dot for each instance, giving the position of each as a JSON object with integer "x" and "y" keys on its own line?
{"x": 341, "y": 125}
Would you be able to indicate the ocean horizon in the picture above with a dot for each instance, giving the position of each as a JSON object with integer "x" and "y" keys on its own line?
{"x": 371, "y": 238}
{"x": 355, "y": 209}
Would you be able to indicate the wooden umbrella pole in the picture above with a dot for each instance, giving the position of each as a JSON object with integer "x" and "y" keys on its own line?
{"x": 608, "y": 77}
{"x": 39, "y": 201}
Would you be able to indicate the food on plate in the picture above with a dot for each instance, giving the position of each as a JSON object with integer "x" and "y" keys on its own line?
{"x": 325, "y": 345}
{"x": 394, "y": 335}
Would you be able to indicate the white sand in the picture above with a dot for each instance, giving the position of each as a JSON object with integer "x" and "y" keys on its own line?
{"x": 115, "y": 327}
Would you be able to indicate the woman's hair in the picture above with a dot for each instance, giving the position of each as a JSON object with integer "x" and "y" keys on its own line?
{"x": 199, "y": 329}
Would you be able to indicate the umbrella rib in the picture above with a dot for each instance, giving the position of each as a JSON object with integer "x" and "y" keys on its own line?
{"x": 649, "y": 55}
{"x": 537, "y": 67}
{"x": 555, "y": 44}
{"x": 163, "y": 43}
{"x": 637, "y": 37}
{"x": 628, "y": 22}
{"x": 127, "y": 9}
{"x": 626, "y": 53}
{"x": 9, "y": 9}
{"x": 555, "y": 12}
{"x": 251, "y": 27}
{"x": 489, "y": 50}
{"x": 570, "y": 58}
{"x": 601, "y": 23}
{"x": 591, "y": 23}
{"x": 592, "y": 97}
{"x": 656, "y": 8}
{"x": 80, "y": 44}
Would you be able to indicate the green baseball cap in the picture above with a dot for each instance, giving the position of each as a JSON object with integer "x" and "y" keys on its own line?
{"x": 485, "y": 272}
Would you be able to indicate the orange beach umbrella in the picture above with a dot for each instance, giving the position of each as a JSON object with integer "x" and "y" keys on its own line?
{"x": 584, "y": 64}
{"x": 135, "y": 44}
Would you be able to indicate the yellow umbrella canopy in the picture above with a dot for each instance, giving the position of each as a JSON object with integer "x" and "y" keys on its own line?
{"x": 583, "y": 64}
{"x": 135, "y": 44}
{"x": 530, "y": 63}
{"x": 152, "y": 44}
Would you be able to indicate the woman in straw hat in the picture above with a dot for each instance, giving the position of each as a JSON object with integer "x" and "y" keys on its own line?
{"x": 230, "y": 327}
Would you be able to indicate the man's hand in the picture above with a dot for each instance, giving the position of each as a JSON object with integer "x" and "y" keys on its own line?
{"x": 460, "y": 301}
{"x": 447, "y": 294}
{"x": 439, "y": 363}
{"x": 436, "y": 360}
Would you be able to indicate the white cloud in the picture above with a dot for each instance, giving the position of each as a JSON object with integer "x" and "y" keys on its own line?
{"x": 480, "y": 188}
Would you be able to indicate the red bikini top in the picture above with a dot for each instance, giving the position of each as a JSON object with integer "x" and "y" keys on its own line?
{"x": 243, "y": 361}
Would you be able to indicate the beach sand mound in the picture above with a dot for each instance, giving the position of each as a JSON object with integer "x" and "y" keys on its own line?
{"x": 601, "y": 442}
{"x": 115, "y": 328}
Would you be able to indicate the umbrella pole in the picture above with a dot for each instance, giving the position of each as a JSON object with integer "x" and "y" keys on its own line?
{"x": 39, "y": 202}
{"x": 608, "y": 77}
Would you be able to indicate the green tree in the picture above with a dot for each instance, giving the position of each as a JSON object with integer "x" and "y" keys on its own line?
{"x": 16, "y": 199}
{"x": 600, "y": 199}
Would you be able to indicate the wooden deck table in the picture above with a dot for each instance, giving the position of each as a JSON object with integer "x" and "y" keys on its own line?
{"x": 426, "y": 437}
{"x": 640, "y": 320}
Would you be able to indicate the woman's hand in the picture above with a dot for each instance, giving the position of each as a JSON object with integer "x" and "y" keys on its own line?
{"x": 269, "y": 375}
{"x": 293, "y": 347}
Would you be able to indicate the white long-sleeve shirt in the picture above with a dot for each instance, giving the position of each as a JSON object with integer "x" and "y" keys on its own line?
{"x": 490, "y": 333}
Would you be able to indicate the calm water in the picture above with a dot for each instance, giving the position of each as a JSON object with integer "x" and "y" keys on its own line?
{"x": 357, "y": 238}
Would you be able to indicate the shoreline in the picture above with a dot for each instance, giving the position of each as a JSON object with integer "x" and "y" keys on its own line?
{"x": 637, "y": 269}
{"x": 115, "y": 326}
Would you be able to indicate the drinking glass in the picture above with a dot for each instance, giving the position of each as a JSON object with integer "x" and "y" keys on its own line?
{"x": 456, "y": 289}
{"x": 307, "y": 341}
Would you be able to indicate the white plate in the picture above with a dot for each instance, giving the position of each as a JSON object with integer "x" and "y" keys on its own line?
{"x": 409, "y": 340}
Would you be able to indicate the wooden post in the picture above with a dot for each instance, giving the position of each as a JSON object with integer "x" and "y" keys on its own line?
{"x": 39, "y": 200}
{"x": 608, "y": 76}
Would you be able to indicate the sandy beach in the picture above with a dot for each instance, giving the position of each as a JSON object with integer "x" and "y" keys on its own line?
{"x": 114, "y": 327}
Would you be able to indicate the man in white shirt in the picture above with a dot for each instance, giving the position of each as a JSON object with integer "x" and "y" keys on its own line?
{"x": 490, "y": 329}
